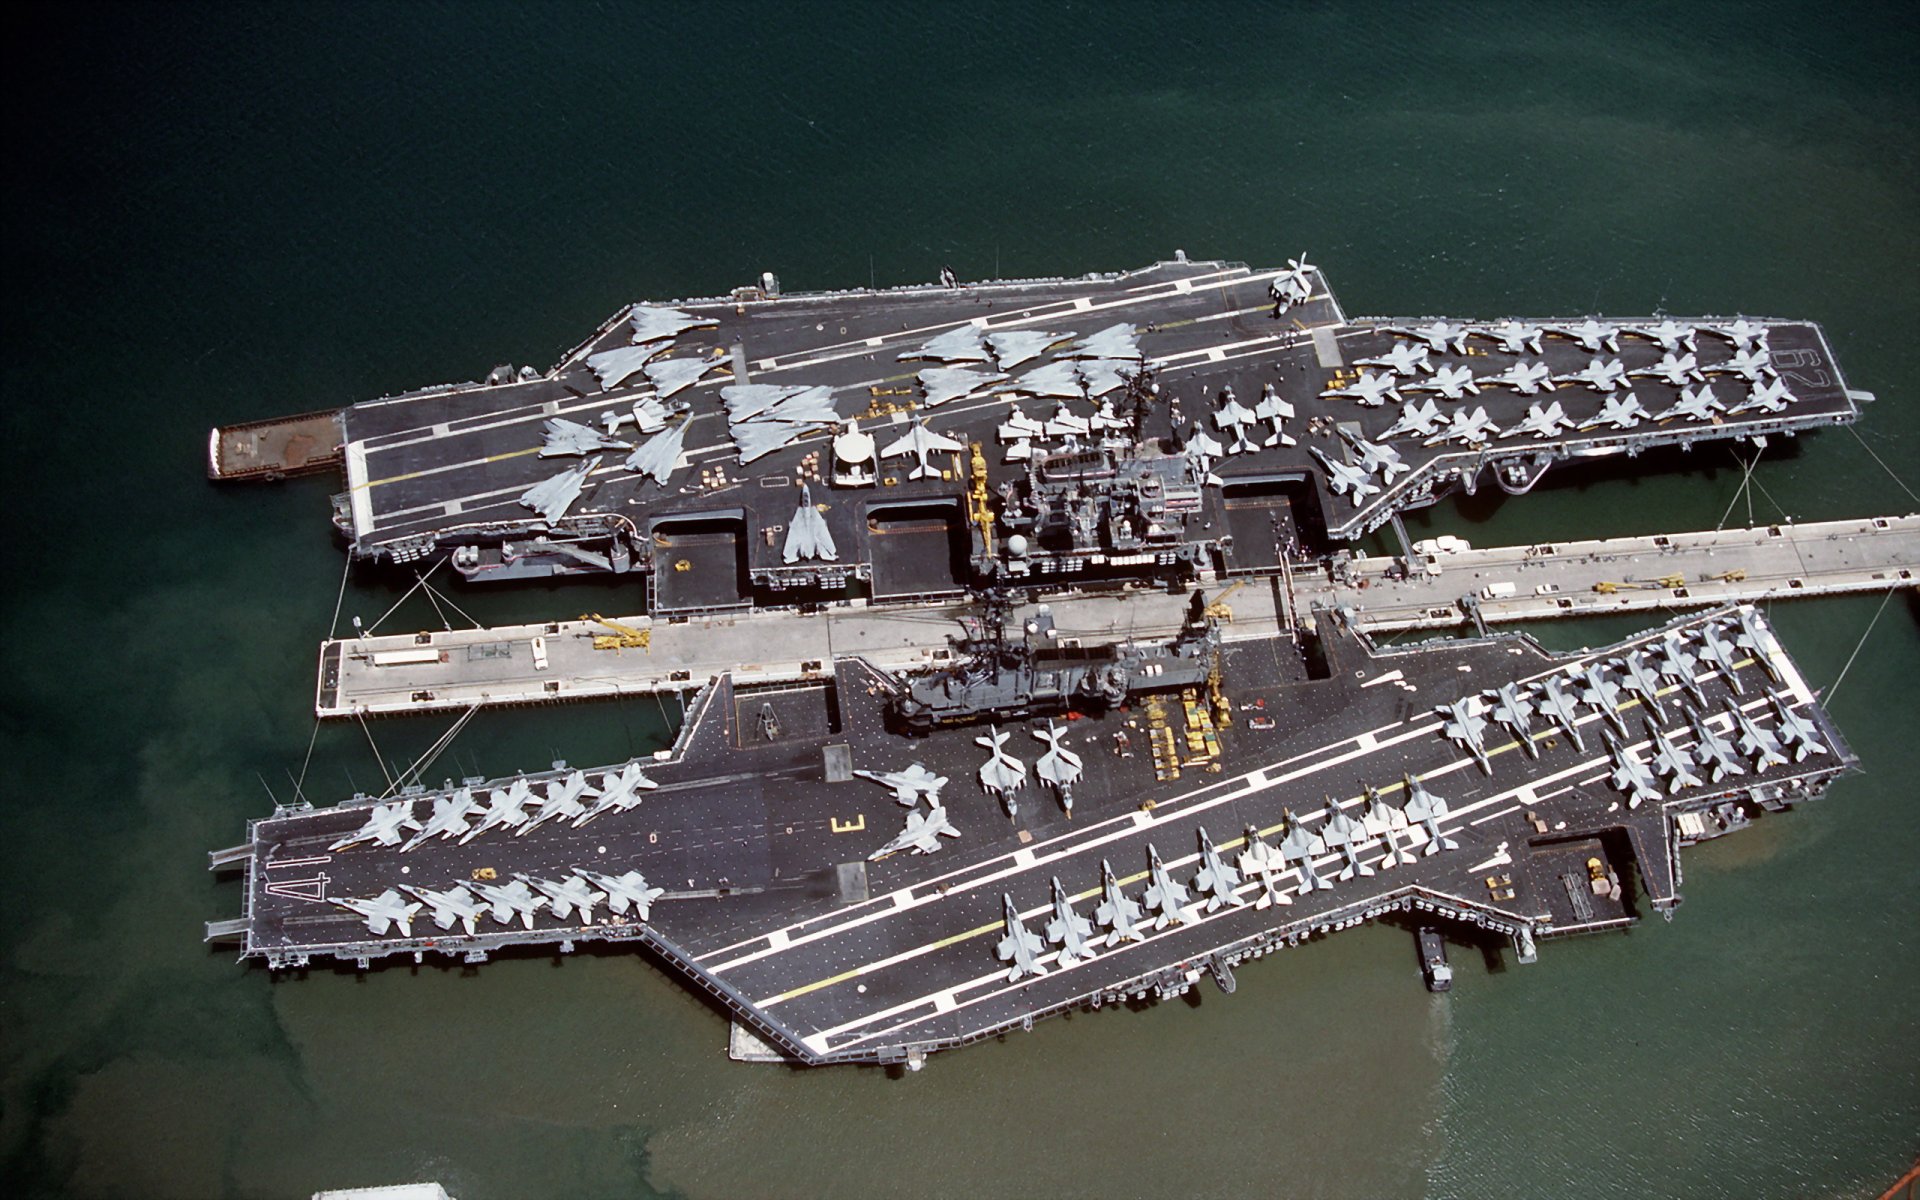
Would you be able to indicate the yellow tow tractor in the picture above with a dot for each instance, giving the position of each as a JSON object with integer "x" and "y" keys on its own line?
{"x": 623, "y": 637}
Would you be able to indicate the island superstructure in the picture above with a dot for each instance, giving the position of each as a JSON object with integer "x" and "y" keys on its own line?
{"x": 866, "y": 859}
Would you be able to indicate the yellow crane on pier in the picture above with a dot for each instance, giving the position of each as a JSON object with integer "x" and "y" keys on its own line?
{"x": 1607, "y": 587}
{"x": 623, "y": 637}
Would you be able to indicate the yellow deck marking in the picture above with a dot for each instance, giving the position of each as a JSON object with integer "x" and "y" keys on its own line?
{"x": 492, "y": 458}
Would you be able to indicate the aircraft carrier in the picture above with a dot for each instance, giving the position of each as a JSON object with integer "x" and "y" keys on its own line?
{"x": 868, "y": 863}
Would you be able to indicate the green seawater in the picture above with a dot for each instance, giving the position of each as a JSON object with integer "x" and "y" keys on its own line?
{"x": 217, "y": 213}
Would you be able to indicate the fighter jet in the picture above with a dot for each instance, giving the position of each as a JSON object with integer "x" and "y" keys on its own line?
{"x": 1299, "y": 845}
{"x": 1002, "y": 774}
{"x": 386, "y": 911}
{"x": 1239, "y": 418}
{"x": 1163, "y": 895}
{"x": 1591, "y": 334}
{"x": 1602, "y": 695}
{"x": 1630, "y": 775}
{"x": 1795, "y": 730}
{"x": 1345, "y": 480}
{"x": 1066, "y": 423}
{"x": 1119, "y": 341}
{"x": 922, "y": 834}
{"x": 1513, "y": 336}
{"x": 656, "y": 323}
{"x": 944, "y": 384}
{"x": 1440, "y": 336}
{"x": 1293, "y": 285}
{"x": 383, "y": 825}
{"x": 621, "y": 792}
{"x": 1118, "y": 914}
{"x": 1541, "y": 422}
{"x": 1468, "y": 428}
{"x": 1621, "y": 412}
{"x": 450, "y": 813}
{"x": 572, "y": 894}
{"x": 1204, "y": 452}
{"x": 1464, "y": 724}
{"x": 1105, "y": 419}
{"x": 909, "y": 785}
{"x": 1016, "y": 346}
{"x": 922, "y": 443}
{"x": 1757, "y": 741}
{"x": 649, "y": 416}
{"x": 1751, "y": 640}
{"x": 1345, "y": 834}
{"x": 1019, "y": 426}
{"x": 506, "y": 809}
{"x": 1019, "y": 949}
{"x": 1668, "y": 333}
{"x": 1523, "y": 377}
{"x": 1695, "y": 404}
{"x": 626, "y": 890}
{"x": 1382, "y": 821}
{"x": 1275, "y": 411}
{"x": 1602, "y": 375}
{"x": 1643, "y": 682}
{"x": 1677, "y": 663}
{"x": 1766, "y": 395}
{"x": 1261, "y": 861}
{"x": 562, "y": 799}
{"x": 1678, "y": 370}
{"x": 1720, "y": 654}
{"x": 1376, "y": 456}
{"x": 674, "y": 375}
{"x": 963, "y": 344}
{"x": 613, "y": 367}
{"x": 454, "y": 904}
{"x": 1059, "y": 766}
{"x": 1513, "y": 709}
{"x": 1068, "y": 930}
{"x": 1557, "y": 706}
{"x": 1749, "y": 365}
{"x": 1215, "y": 881}
{"x": 1744, "y": 334}
{"x": 1421, "y": 418}
{"x": 1099, "y": 377}
{"x": 551, "y": 498}
{"x": 1714, "y": 752}
{"x": 1405, "y": 358}
{"x": 807, "y": 533}
{"x": 1426, "y": 808}
{"x": 571, "y": 437}
{"x": 1670, "y": 760}
{"x": 1452, "y": 382}
{"x": 506, "y": 901}
{"x": 1370, "y": 390}
{"x": 661, "y": 455}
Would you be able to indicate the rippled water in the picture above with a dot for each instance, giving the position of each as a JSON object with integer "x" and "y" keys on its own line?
{"x": 223, "y": 213}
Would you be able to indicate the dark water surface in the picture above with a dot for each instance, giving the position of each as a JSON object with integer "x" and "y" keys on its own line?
{"x": 228, "y": 212}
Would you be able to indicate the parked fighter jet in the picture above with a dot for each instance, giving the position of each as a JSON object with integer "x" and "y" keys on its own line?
{"x": 1630, "y": 775}
{"x": 1275, "y": 411}
{"x": 626, "y": 890}
{"x": 613, "y": 367}
{"x": 571, "y": 437}
{"x": 922, "y": 443}
{"x": 1420, "y": 418}
{"x": 386, "y": 911}
{"x": 1382, "y": 821}
{"x": 1591, "y": 334}
{"x": 1541, "y": 422}
{"x": 383, "y": 825}
{"x": 1300, "y": 845}
{"x": 909, "y": 785}
{"x": 1464, "y": 724}
{"x": 674, "y": 375}
{"x": 1068, "y": 930}
{"x": 1019, "y": 426}
{"x": 1720, "y": 654}
{"x": 1346, "y": 480}
{"x": 922, "y": 834}
{"x": 945, "y": 384}
{"x": 657, "y": 323}
{"x": 1451, "y": 382}
{"x": 506, "y": 901}
{"x": 1757, "y": 741}
{"x": 1714, "y": 752}
{"x": 1602, "y": 694}
{"x": 1440, "y": 336}
{"x": 1602, "y": 375}
{"x": 450, "y": 813}
{"x": 1558, "y": 707}
{"x": 506, "y": 809}
{"x": 1105, "y": 420}
{"x": 661, "y": 455}
{"x": 621, "y": 792}
{"x": 1766, "y": 395}
{"x": 1678, "y": 664}
{"x": 1523, "y": 377}
{"x": 1621, "y": 412}
{"x": 454, "y": 904}
{"x": 1513, "y": 336}
{"x": 1215, "y": 881}
{"x": 1468, "y": 428}
{"x": 1065, "y": 423}
{"x": 1002, "y": 774}
{"x": 1204, "y": 452}
{"x": 1678, "y": 370}
{"x": 1670, "y": 334}
{"x": 1744, "y": 334}
{"x": 1427, "y": 809}
{"x": 1750, "y": 639}
{"x": 1346, "y": 835}
{"x": 1376, "y": 456}
{"x": 1670, "y": 760}
{"x": 1059, "y": 766}
{"x": 1749, "y": 365}
{"x": 963, "y": 344}
{"x": 1405, "y": 358}
{"x": 649, "y": 416}
{"x": 1795, "y": 730}
{"x": 572, "y": 894}
{"x": 1164, "y": 896}
{"x": 1261, "y": 861}
{"x": 1370, "y": 390}
{"x": 1643, "y": 682}
{"x": 1513, "y": 709}
{"x": 1121, "y": 342}
{"x": 1118, "y": 914}
{"x": 561, "y": 799}
{"x": 552, "y": 498}
{"x": 1293, "y": 285}
{"x": 1239, "y": 418}
{"x": 1019, "y": 949}
{"x": 1015, "y": 346}
{"x": 1695, "y": 404}
{"x": 807, "y": 533}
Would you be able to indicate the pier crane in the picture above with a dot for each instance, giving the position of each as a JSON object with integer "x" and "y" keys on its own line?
{"x": 1607, "y": 587}
{"x": 623, "y": 637}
